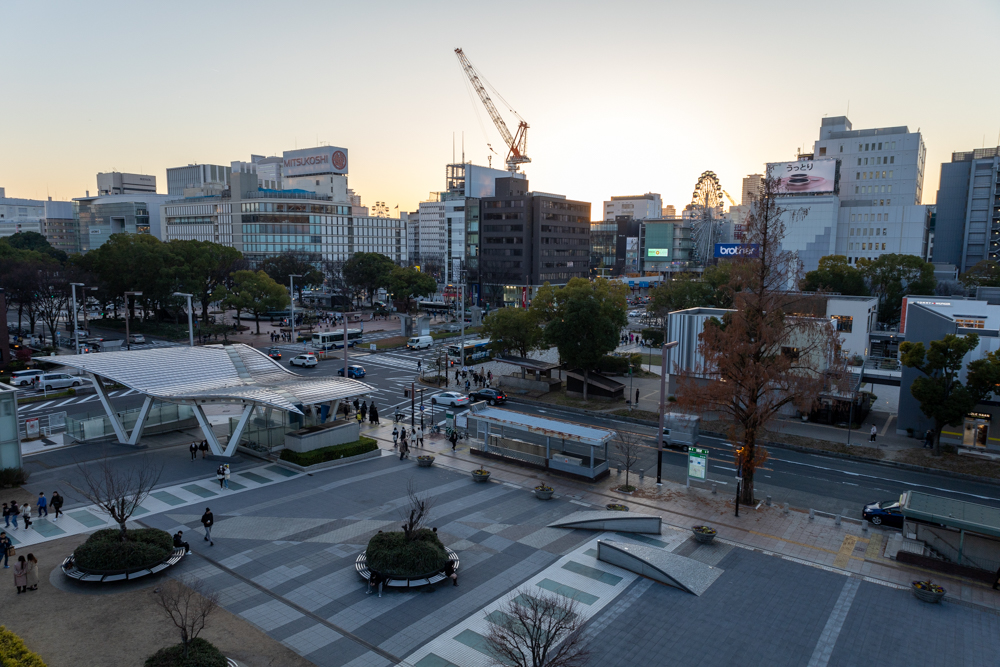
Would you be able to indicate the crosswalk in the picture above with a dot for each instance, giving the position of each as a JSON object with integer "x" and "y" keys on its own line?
{"x": 63, "y": 402}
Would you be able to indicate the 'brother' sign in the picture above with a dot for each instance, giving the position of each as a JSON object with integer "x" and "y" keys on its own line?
{"x": 737, "y": 249}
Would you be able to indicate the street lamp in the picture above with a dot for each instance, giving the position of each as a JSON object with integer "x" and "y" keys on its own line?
{"x": 76, "y": 328}
{"x": 291, "y": 289}
{"x": 190, "y": 317}
{"x": 664, "y": 369}
{"x": 128, "y": 338}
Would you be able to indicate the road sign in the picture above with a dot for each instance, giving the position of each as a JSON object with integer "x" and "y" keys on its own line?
{"x": 697, "y": 463}
{"x": 372, "y": 347}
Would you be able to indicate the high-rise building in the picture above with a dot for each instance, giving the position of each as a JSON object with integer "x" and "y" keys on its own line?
{"x": 61, "y": 228}
{"x": 117, "y": 183}
{"x": 205, "y": 178}
{"x": 967, "y": 220}
{"x": 268, "y": 170}
{"x": 669, "y": 211}
{"x": 752, "y": 185}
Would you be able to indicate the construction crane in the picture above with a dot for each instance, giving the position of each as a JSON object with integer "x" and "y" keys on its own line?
{"x": 729, "y": 198}
{"x": 517, "y": 143}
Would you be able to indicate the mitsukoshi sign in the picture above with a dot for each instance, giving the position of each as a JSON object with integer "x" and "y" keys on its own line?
{"x": 310, "y": 161}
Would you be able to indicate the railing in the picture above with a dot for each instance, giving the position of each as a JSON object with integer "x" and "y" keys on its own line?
{"x": 97, "y": 427}
{"x": 47, "y": 424}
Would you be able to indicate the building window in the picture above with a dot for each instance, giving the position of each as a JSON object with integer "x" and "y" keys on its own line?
{"x": 892, "y": 158}
{"x": 790, "y": 353}
{"x": 843, "y": 323}
{"x": 883, "y": 246}
{"x": 822, "y": 150}
{"x": 970, "y": 323}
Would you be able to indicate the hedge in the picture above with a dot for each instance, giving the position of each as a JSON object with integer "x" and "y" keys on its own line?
{"x": 201, "y": 653}
{"x": 13, "y": 476}
{"x": 618, "y": 365}
{"x": 332, "y": 453}
{"x": 104, "y": 552}
{"x": 13, "y": 652}
{"x": 393, "y": 554}
{"x": 653, "y": 336}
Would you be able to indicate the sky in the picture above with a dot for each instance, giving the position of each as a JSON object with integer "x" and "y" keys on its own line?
{"x": 622, "y": 97}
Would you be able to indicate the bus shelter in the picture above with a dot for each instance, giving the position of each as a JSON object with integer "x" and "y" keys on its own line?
{"x": 212, "y": 375}
{"x": 551, "y": 444}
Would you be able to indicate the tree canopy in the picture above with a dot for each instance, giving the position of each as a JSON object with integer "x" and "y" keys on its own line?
{"x": 513, "y": 330}
{"x": 982, "y": 274}
{"x": 408, "y": 283}
{"x": 36, "y": 242}
{"x": 368, "y": 272}
{"x": 834, "y": 274}
{"x": 292, "y": 263}
{"x": 890, "y": 277}
{"x": 254, "y": 292}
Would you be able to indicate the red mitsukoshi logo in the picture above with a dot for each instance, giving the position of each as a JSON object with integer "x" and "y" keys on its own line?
{"x": 339, "y": 159}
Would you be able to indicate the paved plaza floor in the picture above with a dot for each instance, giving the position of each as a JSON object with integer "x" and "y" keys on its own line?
{"x": 284, "y": 560}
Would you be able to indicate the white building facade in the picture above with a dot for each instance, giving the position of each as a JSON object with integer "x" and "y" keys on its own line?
{"x": 639, "y": 207}
{"x": 20, "y": 215}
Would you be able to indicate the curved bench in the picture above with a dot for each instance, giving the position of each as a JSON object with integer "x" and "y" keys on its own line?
{"x": 361, "y": 565}
{"x": 70, "y": 570}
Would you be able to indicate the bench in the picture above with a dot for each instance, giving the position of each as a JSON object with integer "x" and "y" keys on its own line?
{"x": 361, "y": 565}
{"x": 70, "y": 570}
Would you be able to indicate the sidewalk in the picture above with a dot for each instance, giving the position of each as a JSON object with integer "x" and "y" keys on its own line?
{"x": 851, "y": 548}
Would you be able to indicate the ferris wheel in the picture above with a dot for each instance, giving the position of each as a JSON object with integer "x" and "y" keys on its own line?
{"x": 706, "y": 205}
{"x": 380, "y": 210}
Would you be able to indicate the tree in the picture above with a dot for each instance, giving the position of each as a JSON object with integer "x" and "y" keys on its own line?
{"x": 289, "y": 263}
{"x": 203, "y": 267}
{"x": 368, "y": 272}
{"x": 119, "y": 487}
{"x": 627, "y": 450}
{"x": 835, "y": 275}
{"x": 939, "y": 390}
{"x": 53, "y": 290}
{"x": 982, "y": 274}
{"x": 408, "y": 283}
{"x": 513, "y": 330}
{"x": 188, "y": 604}
{"x": 533, "y": 628}
{"x": 683, "y": 292}
{"x": 415, "y": 516}
{"x": 890, "y": 277}
{"x": 36, "y": 242}
{"x": 254, "y": 292}
{"x": 583, "y": 320}
{"x": 757, "y": 359}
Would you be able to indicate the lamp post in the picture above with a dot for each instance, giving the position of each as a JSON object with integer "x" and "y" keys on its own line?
{"x": 664, "y": 369}
{"x": 190, "y": 317}
{"x": 76, "y": 329}
{"x": 128, "y": 338}
{"x": 291, "y": 290}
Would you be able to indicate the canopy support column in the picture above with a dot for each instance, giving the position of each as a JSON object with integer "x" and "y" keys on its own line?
{"x": 206, "y": 428}
{"x": 140, "y": 422}
{"x": 234, "y": 439}
{"x": 116, "y": 424}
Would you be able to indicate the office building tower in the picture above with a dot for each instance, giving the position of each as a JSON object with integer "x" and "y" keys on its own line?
{"x": 117, "y": 183}
{"x": 967, "y": 218}
{"x": 205, "y": 179}
{"x": 752, "y": 186}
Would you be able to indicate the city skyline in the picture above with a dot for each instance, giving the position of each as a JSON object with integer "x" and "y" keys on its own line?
{"x": 171, "y": 89}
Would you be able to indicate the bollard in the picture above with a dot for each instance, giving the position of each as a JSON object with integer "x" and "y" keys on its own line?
{"x": 619, "y": 469}
{"x": 812, "y": 514}
{"x": 785, "y": 510}
{"x": 714, "y": 490}
{"x": 642, "y": 473}
{"x": 768, "y": 501}
{"x": 864, "y": 526}
{"x": 836, "y": 521}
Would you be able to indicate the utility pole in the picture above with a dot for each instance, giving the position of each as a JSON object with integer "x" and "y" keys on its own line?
{"x": 128, "y": 338}
{"x": 190, "y": 317}
{"x": 413, "y": 400}
{"x": 461, "y": 315}
{"x": 664, "y": 368}
{"x": 76, "y": 329}
{"x": 291, "y": 290}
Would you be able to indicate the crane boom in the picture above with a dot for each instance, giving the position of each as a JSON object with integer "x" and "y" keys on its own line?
{"x": 517, "y": 144}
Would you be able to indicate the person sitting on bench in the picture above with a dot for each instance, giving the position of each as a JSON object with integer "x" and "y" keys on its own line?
{"x": 179, "y": 542}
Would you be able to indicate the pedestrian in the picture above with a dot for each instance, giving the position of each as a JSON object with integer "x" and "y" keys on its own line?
{"x": 466, "y": 386}
{"x": 373, "y": 414}
{"x": 57, "y": 503}
{"x": 358, "y": 417}
{"x": 873, "y": 432}
{"x": 454, "y": 439}
{"x": 6, "y": 549}
{"x": 6, "y": 516}
{"x": 449, "y": 571}
{"x": 43, "y": 505}
{"x": 637, "y": 396}
{"x": 15, "y": 510}
{"x": 26, "y": 514}
{"x": 179, "y": 542}
{"x": 31, "y": 573}
{"x": 225, "y": 481}
{"x": 489, "y": 377}
{"x": 347, "y": 411}
{"x": 194, "y": 450}
{"x": 419, "y": 440}
{"x": 357, "y": 405}
{"x": 364, "y": 410}
{"x": 21, "y": 574}
{"x": 929, "y": 439}
{"x": 207, "y": 520}
{"x": 203, "y": 448}
{"x": 395, "y": 443}
{"x": 375, "y": 581}
{"x": 220, "y": 474}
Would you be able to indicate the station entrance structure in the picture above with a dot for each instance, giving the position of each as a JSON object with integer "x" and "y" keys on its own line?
{"x": 235, "y": 374}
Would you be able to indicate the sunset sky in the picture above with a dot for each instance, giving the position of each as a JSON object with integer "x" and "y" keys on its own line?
{"x": 622, "y": 97}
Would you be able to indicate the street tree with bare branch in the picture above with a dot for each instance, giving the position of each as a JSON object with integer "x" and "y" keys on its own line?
{"x": 774, "y": 349}
{"x": 416, "y": 514}
{"x": 627, "y": 450}
{"x": 536, "y": 629}
{"x": 119, "y": 487}
{"x": 188, "y": 604}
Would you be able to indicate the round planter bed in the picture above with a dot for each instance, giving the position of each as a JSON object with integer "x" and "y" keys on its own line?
{"x": 544, "y": 492}
{"x": 361, "y": 565}
{"x": 617, "y": 507}
{"x": 703, "y": 534}
{"x": 70, "y": 570}
{"x": 480, "y": 475}
{"x": 425, "y": 461}
{"x": 925, "y": 591}
{"x": 147, "y": 551}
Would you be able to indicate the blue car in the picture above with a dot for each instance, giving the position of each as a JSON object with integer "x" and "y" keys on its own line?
{"x": 885, "y": 513}
{"x": 356, "y": 372}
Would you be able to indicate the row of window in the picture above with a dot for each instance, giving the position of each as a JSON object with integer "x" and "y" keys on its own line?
{"x": 869, "y": 217}
{"x": 192, "y": 220}
{"x": 871, "y": 175}
{"x": 503, "y": 252}
{"x": 503, "y": 216}
{"x": 504, "y": 203}
{"x": 566, "y": 206}
{"x": 499, "y": 240}
{"x": 860, "y": 189}
{"x": 869, "y": 231}
{"x": 561, "y": 217}
{"x": 882, "y": 159}
{"x": 865, "y": 246}
{"x": 565, "y": 253}
{"x": 554, "y": 229}
{"x": 274, "y": 207}
{"x": 502, "y": 228}
{"x": 282, "y": 238}
{"x": 970, "y": 323}
{"x": 555, "y": 240}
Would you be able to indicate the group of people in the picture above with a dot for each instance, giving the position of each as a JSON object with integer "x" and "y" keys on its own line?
{"x": 362, "y": 411}
{"x": 25, "y": 569}
{"x": 281, "y": 336}
{"x": 196, "y": 447}
{"x": 207, "y": 520}
{"x": 401, "y": 440}
{"x": 222, "y": 474}
{"x": 13, "y": 510}
{"x": 483, "y": 378}
{"x": 629, "y": 339}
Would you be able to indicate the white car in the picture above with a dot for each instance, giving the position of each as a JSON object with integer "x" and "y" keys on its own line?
{"x": 136, "y": 338}
{"x": 450, "y": 398}
{"x": 635, "y": 313}
{"x": 50, "y": 381}
{"x": 24, "y": 378}
{"x": 305, "y": 360}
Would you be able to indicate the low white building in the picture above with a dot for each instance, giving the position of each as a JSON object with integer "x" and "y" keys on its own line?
{"x": 639, "y": 207}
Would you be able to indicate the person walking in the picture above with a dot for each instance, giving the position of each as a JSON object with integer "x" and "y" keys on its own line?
{"x": 357, "y": 405}
{"x": 466, "y": 386}
{"x": 373, "y": 414}
{"x": 404, "y": 449}
{"x": 194, "y": 450}
{"x": 449, "y": 571}
{"x": 31, "y": 573}
{"x": 359, "y": 418}
{"x": 225, "y": 480}
{"x": 57, "y": 503}
{"x": 347, "y": 411}
{"x": 395, "y": 443}
{"x": 43, "y": 505}
{"x": 203, "y": 448}
{"x": 419, "y": 440}
{"x": 21, "y": 574}
{"x": 929, "y": 439}
{"x": 6, "y": 514}
{"x": 6, "y": 549}
{"x": 15, "y": 510}
{"x": 364, "y": 411}
{"x": 637, "y": 396}
{"x": 26, "y": 514}
{"x": 207, "y": 520}
{"x": 454, "y": 439}
{"x": 179, "y": 542}
{"x": 220, "y": 474}
{"x": 873, "y": 432}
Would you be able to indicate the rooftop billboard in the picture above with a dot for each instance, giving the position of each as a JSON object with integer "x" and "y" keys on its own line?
{"x": 308, "y": 161}
{"x": 804, "y": 177}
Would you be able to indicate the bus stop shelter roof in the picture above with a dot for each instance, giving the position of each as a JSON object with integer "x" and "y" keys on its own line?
{"x": 556, "y": 428}
{"x": 222, "y": 373}
{"x": 958, "y": 514}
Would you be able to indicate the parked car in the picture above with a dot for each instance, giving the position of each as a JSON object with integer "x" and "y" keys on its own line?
{"x": 450, "y": 398}
{"x": 491, "y": 396}
{"x": 274, "y": 353}
{"x": 356, "y": 372}
{"x": 136, "y": 338}
{"x": 885, "y": 513}
{"x": 50, "y": 381}
{"x": 307, "y": 360}
{"x": 634, "y": 313}
{"x": 24, "y": 378}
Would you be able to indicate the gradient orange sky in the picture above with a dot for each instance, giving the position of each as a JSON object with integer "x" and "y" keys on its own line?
{"x": 622, "y": 97}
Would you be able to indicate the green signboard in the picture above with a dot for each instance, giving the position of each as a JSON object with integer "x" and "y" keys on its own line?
{"x": 697, "y": 463}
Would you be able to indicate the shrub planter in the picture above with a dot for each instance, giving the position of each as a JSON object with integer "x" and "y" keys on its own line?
{"x": 617, "y": 507}
{"x": 425, "y": 461}
{"x": 926, "y": 591}
{"x": 104, "y": 554}
{"x": 544, "y": 492}
{"x": 627, "y": 489}
{"x": 704, "y": 534}
{"x": 481, "y": 475}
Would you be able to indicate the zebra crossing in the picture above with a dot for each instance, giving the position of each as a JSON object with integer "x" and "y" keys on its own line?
{"x": 63, "y": 402}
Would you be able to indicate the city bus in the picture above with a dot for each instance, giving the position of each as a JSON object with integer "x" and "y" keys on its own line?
{"x": 334, "y": 340}
{"x": 475, "y": 350}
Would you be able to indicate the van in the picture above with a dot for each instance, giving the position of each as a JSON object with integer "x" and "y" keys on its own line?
{"x": 50, "y": 381}
{"x": 419, "y": 342}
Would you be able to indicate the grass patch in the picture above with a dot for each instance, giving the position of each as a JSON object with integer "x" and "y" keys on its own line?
{"x": 104, "y": 552}
{"x": 201, "y": 653}
{"x": 393, "y": 554}
{"x": 638, "y": 414}
{"x": 332, "y": 453}
{"x": 559, "y": 397}
{"x": 947, "y": 461}
{"x": 391, "y": 343}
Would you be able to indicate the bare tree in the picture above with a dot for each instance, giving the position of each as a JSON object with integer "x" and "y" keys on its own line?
{"x": 534, "y": 629}
{"x": 119, "y": 489}
{"x": 188, "y": 604}
{"x": 416, "y": 514}
{"x": 627, "y": 450}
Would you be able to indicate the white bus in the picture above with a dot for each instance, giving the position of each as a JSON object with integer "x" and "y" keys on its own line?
{"x": 475, "y": 350}
{"x": 334, "y": 340}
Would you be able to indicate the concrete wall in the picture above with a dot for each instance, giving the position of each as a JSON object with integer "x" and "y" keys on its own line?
{"x": 517, "y": 383}
{"x": 337, "y": 433}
